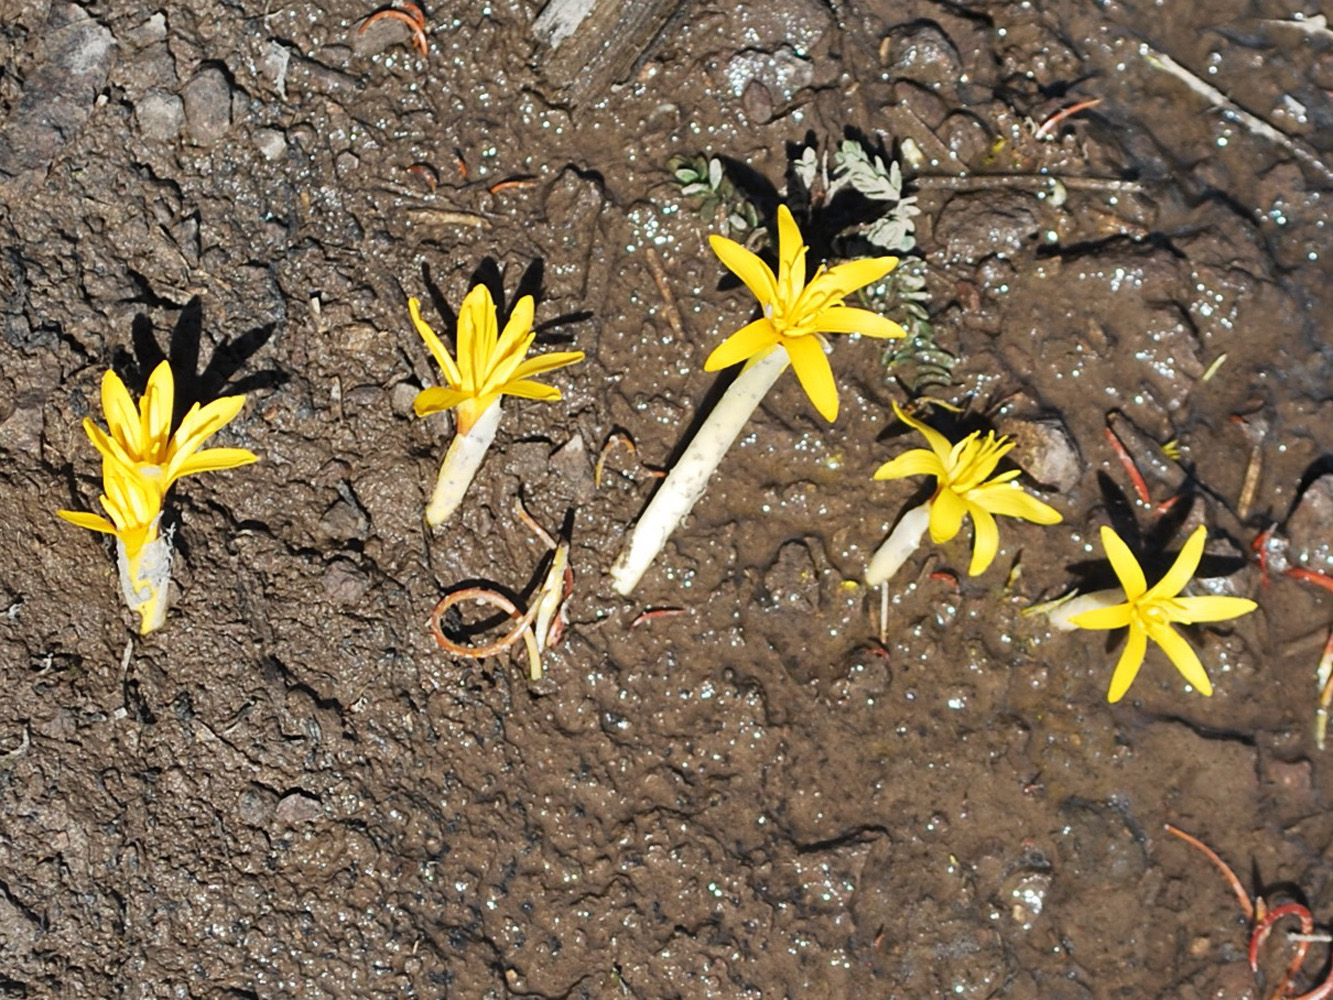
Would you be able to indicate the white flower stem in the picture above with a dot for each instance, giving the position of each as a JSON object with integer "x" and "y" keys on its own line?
{"x": 145, "y": 578}
{"x": 1060, "y": 615}
{"x": 689, "y": 477}
{"x": 903, "y": 540}
{"x": 460, "y": 465}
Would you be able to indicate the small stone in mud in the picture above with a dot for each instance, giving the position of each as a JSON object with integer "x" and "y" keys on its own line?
{"x": 921, "y": 52}
{"x": 344, "y": 583}
{"x": 159, "y": 115}
{"x": 757, "y": 102}
{"x": 792, "y": 581}
{"x": 574, "y": 467}
{"x": 207, "y": 100}
{"x": 343, "y": 522}
{"x": 270, "y": 143}
{"x": 298, "y": 807}
{"x": 1044, "y": 449}
{"x": 1308, "y": 527}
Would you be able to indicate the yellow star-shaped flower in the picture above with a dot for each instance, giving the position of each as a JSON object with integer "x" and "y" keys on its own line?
{"x": 797, "y": 313}
{"x": 964, "y": 489}
{"x": 141, "y": 439}
{"x": 1149, "y": 613}
{"x": 131, "y": 501}
{"x": 490, "y": 363}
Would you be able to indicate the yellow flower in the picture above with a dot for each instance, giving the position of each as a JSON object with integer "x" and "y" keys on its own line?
{"x": 132, "y": 503}
{"x": 796, "y": 313}
{"x": 964, "y": 490}
{"x": 1150, "y": 612}
{"x": 141, "y": 439}
{"x": 490, "y": 364}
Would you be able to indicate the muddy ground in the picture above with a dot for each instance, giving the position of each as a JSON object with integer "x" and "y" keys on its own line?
{"x": 289, "y": 791}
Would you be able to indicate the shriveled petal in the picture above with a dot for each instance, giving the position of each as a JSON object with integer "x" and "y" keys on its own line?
{"x": 850, "y": 275}
{"x": 751, "y": 339}
{"x": 156, "y": 411}
{"x": 437, "y": 399}
{"x": 1116, "y": 616}
{"x": 946, "y": 516}
{"x": 1011, "y": 500}
{"x": 121, "y": 414}
{"x": 939, "y": 444}
{"x": 985, "y": 541}
{"x": 546, "y": 362}
{"x": 213, "y": 459}
{"x": 1126, "y": 567}
{"x": 526, "y": 389}
{"x": 93, "y": 522}
{"x": 917, "y": 462}
{"x": 849, "y": 319}
{"x": 1183, "y": 656}
{"x": 1212, "y": 608}
{"x": 812, "y": 368}
{"x": 752, "y": 271}
{"x": 1128, "y": 667}
{"x": 437, "y": 349}
{"x": 1182, "y": 570}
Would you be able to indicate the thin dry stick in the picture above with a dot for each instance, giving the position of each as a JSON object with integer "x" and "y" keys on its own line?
{"x": 1028, "y": 182}
{"x": 664, "y": 289}
{"x": 1234, "y": 111}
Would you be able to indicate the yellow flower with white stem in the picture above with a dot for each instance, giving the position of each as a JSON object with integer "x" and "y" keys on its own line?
{"x": 142, "y": 439}
{"x": 797, "y": 313}
{"x": 966, "y": 486}
{"x": 490, "y": 364}
{"x": 1149, "y": 612}
{"x": 141, "y": 458}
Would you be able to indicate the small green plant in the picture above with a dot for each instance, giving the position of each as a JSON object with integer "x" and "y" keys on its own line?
{"x": 705, "y": 178}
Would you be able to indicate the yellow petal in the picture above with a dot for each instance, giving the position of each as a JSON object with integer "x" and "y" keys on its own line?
{"x": 1128, "y": 667}
{"x": 1116, "y": 616}
{"x": 436, "y": 400}
{"x": 1212, "y": 608}
{"x": 501, "y": 367}
{"x": 939, "y": 444}
{"x": 791, "y": 257}
{"x": 917, "y": 462}
{"x": 121, "y": 415}
{"x": 526, "y": 389}
{"x": 107, "y": 445}
{"x": 985, "y": 541}
{"x": 848, "y": 319}
{"x": 434, "y": 344}
{"x": 1125, "y": 565}
{"x": 1183, "y": 656}
{"x": 853, "y": 274}
{"x": 477, "y": 334}
{"x": 1011, "y": 500}
{"x": 946, "y": 516}
{"x": 518, "y": 327}
{"x": 752, "y": 271}
{"x": 214, "y": 459}
{"x": 546, "y": 362}
{"x": 156, "y": 412}
{"x": 201, "y": 423}
{"x": 750, "y": 340}
{"x": 90, "y": 521}
{"x": 1182, "y": 570}
{"x": 812, "y": 368}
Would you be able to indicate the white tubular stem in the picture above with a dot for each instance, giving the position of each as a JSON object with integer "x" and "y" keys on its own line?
{"x": 903, "y": 540}
{"x": 460, "y": 465}
{"x": 1095, "y": 601}
{"x": 144, "y": 580}
{"x": 686, "y": 482}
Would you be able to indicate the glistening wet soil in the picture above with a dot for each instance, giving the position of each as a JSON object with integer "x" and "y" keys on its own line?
{"x": 290, "y": 792}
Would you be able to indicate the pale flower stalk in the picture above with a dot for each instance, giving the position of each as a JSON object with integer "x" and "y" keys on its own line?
{"x": 490, "y": 364}
{"x": 790, "y": 333}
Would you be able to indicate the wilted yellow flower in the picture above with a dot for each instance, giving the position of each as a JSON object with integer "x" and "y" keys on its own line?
{"x": 141, "y": 439}
{"x": 964, "y": 489}
{"x": 796, "y": 313}
{"x": 1149, "y": 613}
{"x": 490, "y": 363}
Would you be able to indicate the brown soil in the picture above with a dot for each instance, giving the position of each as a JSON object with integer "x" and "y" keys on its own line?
{"x": 289, "y": 792}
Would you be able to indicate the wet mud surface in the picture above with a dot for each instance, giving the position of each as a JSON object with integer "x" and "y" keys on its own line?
{"x": 289, "y": 791}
